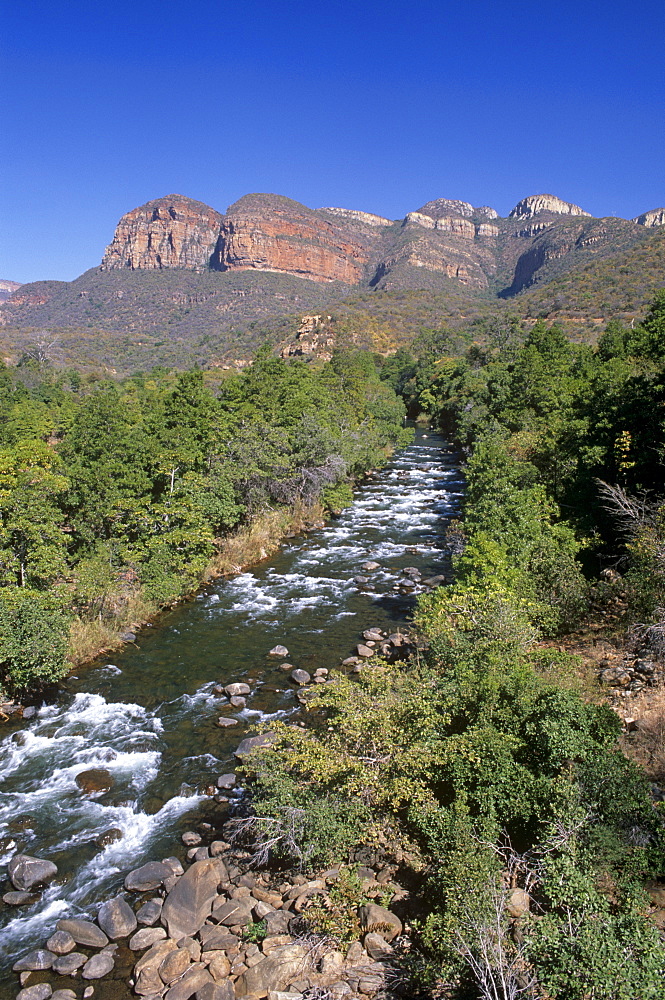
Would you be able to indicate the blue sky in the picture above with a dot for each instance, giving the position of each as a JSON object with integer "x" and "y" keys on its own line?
{"x": 373, "y": 106}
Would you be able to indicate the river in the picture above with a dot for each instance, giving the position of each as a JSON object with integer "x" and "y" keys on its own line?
{"x": 149, "y": 717}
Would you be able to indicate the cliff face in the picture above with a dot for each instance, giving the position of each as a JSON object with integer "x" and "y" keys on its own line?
{"x": 537, "y": 203}
{"x": 168, "y": 232}
{"x": 8, "y": 288}
{"x": 268, "y": 233}
{"x": 656, "y": 217}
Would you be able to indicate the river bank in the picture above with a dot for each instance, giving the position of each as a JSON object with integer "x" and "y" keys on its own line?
{"x": 150, "y": 717}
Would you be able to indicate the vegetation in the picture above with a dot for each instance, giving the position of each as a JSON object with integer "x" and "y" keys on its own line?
{"x": 119, "y": 498}
{"x": 487, "y": 763}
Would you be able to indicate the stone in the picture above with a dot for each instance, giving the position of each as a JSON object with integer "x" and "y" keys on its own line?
{"x": 174, "y": 965}
{"x": 147, "y": 980}
{"x": 190, "y": 901}
{"x": 262, "y": 910}
{"x": 218, "y": 964}
{"x": 364, "y": 652}
{"x": 63, "y": 995}
{"x": 277, "y": 922}
{"x": 150, "y": 912}
{"x": 217, "y": 848}
{"x": 109, "y": 837}
{"x": 146, "y": 937}
{"x": 193, "y": 980}
{"x": 217, "y": 938}
{"x": 235, "y": 912}
{"x": 276, "y": 970}
{"x": 225, "y": 723}
{"x": 275, "y": 941}
{"x": 377, "y": 947}
{"x": 95, "y": 780}
{"x": 280, "y": 651}
{"x": 370, "y": 566}
{"x": 518, "y": 903}
{"x": 61, "y": 943}
{"x": 300, "y": 676}
{"x": 84, "y": 932}
{"x": 356, "y": 955}
{"x": 227, "y": 780}
{"x": 98, "y": 966}
{"x": 332, "y": 963}
{"x": 21, "y": 898}
{"x": 26, "y": 872}
{"x": 192, "y": 946}
{"x": 175, "y": 865}
{"x": 147, "y": 877}
{"x": 39, "y": 992}
{"x": 116, "y": 918}
{"x": 237, "y": 701}
{"x": 34, "y": 961}
{"x": 191, "y": 839}
{"x": 377, "y": 919}
{"x": 64, "y": 965}
{"x": 254, "y": 743}
{"x": 88, "y": 992}
{"x": 233, "y": 690}
{"x": 216, "y": 991}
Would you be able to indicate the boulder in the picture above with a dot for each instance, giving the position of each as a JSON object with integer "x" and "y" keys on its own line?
{"x": 237, "y": 701}
{"x": 64, "y": 965}
{"x": 147, "y": 980}
{"x": 364, "y": 652}
{"x": 300, "y": 676}
{"x": 84, "y": 932}
{"x": 233, "y": 690}
{"x": 146, "y": 937}
{"x": 26, "y": 872}
{"x": 147, "y": 877}
{"x": 39, "y": 992}
{"x": 191, "y": 839}
{"x": 254, "y": 743}
{"x": 376, "y": 919}
{"x": 377, "y": 947}
{"x": 217, "y": 939}
{"x": 98, "y": 966}
{"x": 518, "y": 903}
{"x": 234, "y": 913}
{"x": 193, "y": 980}
{"x": 61, "y": 943}
{"x": 273, "y": 972}
{"x": 94, "y": 780}
{"x": 216, "y": 991}
{"x": 280, "y": 651}
{"x": 190, "y": 901}
{"x": 218, "y": 964}
{"x": 34, "y": 961}
{"x": 226, "y": 780}
{"x": 150, "y": 912}
{"x": 116, "y": 918}
{"x": 20, "y": 898}
{"x": 174, "y": 965}
{"x": 277, "y": 922}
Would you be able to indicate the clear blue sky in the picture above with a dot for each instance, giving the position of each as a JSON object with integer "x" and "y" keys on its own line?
{"x": 376, "y": 106}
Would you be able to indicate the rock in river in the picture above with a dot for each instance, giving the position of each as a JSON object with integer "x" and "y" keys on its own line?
{"x": 254, "y": 743}
{"x": 96, "y": 779}
{"x": 281, "y": 651}
{"x": 147, "y": 877}
{"x": 116, "y": 918}
{"x": 26, "y": 872}
{"x": 84, "y": 932}
{"x": 190, "y": 901}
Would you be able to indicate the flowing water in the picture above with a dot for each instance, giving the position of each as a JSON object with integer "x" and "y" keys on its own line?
{"x": 149, "y": 718}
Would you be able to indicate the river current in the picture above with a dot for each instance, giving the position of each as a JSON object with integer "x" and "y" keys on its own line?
{"x": 149, "y": 716}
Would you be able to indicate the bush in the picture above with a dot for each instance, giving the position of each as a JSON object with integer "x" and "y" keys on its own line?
{"x": 34, "y": 632}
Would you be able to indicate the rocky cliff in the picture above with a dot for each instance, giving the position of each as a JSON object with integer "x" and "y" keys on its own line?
{"x": 169, "y": 232}
{"x": 8, "y": 288}
{"x": 656, "y": 217}
{"x": 537, "y": 203}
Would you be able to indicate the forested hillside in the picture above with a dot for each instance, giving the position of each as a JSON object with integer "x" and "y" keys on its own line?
{"x": 489, "y": 767}
{"x": 116, "y": 496}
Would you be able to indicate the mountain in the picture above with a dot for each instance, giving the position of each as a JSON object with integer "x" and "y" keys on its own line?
{"x": 181, "y": 280}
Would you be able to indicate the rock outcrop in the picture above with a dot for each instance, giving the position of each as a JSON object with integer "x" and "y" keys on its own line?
{"x": 656, "y": 217}
{"x": 270, "y": 233}
{"x": 169, "y": 232}
{"x": 537, "y": 203}
{"x": 8, "y": 288}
